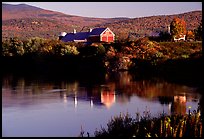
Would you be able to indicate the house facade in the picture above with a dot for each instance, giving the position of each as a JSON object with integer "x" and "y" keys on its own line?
{"x": 181, "y": 37}
{"x": 94, "y": 35}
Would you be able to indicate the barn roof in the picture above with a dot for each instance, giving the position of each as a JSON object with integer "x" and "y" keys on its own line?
{"x": 97, "y": 31}
{"x": 75, "y": 36}
{"x": 81, "y": 35}
{"x": 68, "y": 37}
{"x": 155, "y": 34}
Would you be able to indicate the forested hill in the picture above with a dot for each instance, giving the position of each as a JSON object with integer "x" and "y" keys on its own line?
{"x": 25, "y": 21}
{"x": 152, "y": 25}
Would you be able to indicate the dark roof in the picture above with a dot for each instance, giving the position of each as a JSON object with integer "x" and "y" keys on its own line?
{"x": 68, "y": 37}
{"x": 155, "y": 34}
{"x": 81, "y": 35}
{"x": 97, "y": 31}
{"x": 75, "y": 36}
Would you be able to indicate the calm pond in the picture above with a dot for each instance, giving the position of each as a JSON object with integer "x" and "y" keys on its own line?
{"x": 38, "y": 106}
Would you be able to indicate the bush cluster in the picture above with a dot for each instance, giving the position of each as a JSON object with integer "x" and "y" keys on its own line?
{"x": 37, "y": 46}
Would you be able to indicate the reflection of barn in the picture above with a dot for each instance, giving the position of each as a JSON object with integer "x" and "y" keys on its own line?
{"x": 93, "y": 100}
{"x": 179, "y": 105}
{"x": 104, "y": 97}
{"x": 108, "y": 98}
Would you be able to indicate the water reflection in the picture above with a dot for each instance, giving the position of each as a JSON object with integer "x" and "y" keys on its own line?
{"x": 83, "y": 99}
{"x": 179, "y": 105}
{"x": 116, "y": 88}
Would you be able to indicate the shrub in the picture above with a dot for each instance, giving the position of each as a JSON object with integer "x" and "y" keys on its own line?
{"x": 34, "y": 45}
{"x": 69, "y": 50}
{"x": 12, "y": 47}
{"x": 101, "y": 50}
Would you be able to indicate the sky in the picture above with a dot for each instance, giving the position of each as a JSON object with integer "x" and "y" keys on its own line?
{"x": 117, "y": 9}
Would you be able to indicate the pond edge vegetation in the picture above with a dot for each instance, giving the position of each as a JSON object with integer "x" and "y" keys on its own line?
{"x": 124, "y": 125}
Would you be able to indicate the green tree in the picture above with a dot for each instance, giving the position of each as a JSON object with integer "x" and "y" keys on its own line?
{"x": 60, "y": 49}
{"x": 178, "y": 27}
{"x": 33, "y": 45}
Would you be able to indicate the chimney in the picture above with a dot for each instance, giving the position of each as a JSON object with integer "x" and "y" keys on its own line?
{"x": 90, "y": 29}
{"x": 74, "y": 31}
{"x": 168, "y": 29}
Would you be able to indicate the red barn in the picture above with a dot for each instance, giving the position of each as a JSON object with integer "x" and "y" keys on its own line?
{"x": 94, "y": 35}
{"x": 101, "y": 35}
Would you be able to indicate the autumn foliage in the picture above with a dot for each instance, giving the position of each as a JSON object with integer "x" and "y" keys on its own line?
{"x": 190, "y": 35}
{"x": 125, "y": 55}
{"x": 178, "y": 27}
{"x": 37, "y": 46}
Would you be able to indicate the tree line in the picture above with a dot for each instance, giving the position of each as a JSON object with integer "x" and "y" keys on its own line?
{"x": 37, "y": 46}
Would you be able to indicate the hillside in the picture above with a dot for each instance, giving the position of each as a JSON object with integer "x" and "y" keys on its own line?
{"x": 154, "y": 24}
{"x": 25, "y": 21}
{"x": 26, "y": 11}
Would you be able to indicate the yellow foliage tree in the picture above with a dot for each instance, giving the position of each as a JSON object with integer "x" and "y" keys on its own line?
{"x": 178, "y": 27}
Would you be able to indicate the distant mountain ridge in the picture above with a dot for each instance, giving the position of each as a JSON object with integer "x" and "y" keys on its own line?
{"x": 19, "y": 7}
{"x": 25, "y": 21}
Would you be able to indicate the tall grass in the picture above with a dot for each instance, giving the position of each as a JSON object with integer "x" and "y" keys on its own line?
{"x": 188, "y": 125}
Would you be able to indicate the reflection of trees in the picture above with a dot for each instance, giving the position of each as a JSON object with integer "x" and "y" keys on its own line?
{"x": 167, "y": 93}
{"x": 150, "y": 89}
{"x": 122, "y": 98}
{"x": 165, "y": 100}
{"x": 25, "y": 86}
{"x": 122, "y": 84}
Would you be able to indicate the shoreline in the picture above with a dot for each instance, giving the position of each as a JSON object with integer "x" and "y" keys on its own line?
{"x": 187, "y": 71}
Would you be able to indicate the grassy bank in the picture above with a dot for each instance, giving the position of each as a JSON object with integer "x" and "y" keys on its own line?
{"x": 188, "y": 125}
